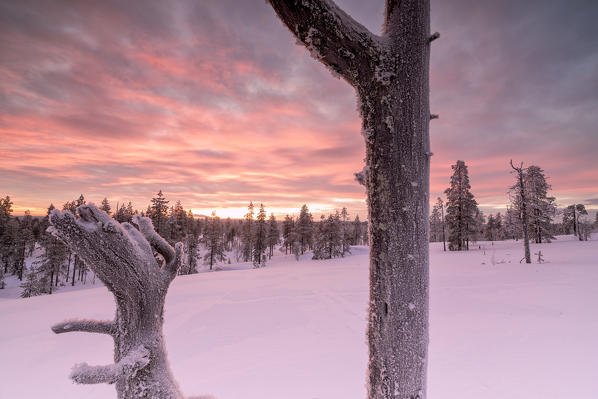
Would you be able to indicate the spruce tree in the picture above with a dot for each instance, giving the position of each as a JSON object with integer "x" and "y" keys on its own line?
{"x": 304, "y": 229}
{"x": 260, "y": 243}
{"x": 327, "y": 238}
{"x": 499, "y": 235}
{"x": 440, "y": 205}
{"x": 541, "y": 207}
{"x": 106, "y": 206}
{"x": 319, "y": 239}
{"x": 158, "y": 211}
{"x": 6, "y": 234}
{"x": 80, "y": 201}
{"x": 288, "y": 233}
{"x": 461, "y": 208}
{"x": 119, "y": 215}
{"x": 478, "y": 228}
{"x": 23, "y": 241}
{"x": 177, "y": 221}
{"x": 344, "y": 233}
{"x": 35, "y": 283}
{"x": 356, "y": 231}
{"x": 191, "y": 245}
{"x": 213, "y": 239}
{"x": 248, "y": 233}
{"x": 571, "y": 216}
{"x": 273, "y": 235}
{"x": 51, "y": 261}
{"x": 490, "y": 229}
{"x": 435, "y": 224}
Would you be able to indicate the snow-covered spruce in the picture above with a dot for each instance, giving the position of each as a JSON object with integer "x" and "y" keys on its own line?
{"x": 390, "y": 75}
{"x": 121, "y": 256}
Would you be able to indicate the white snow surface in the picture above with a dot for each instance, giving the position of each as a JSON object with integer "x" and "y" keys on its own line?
{"x": 296, "y": 330}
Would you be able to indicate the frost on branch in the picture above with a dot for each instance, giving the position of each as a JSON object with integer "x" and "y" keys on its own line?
{"x": 101, "y": 327}
{"x": 129, "y": 365}
{"x": 122, "y": 256}
{"x": 331, "y": 36}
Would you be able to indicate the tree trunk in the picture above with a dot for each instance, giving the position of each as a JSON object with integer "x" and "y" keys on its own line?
{"x": 68, "y": 267}
{"x": 51, "y": 280}
{"x": 74, "y": 270}
{"x": 390, "y": 74}
{"x": 122, "y": 257}
{"x": 57, "y": 275}
{"x": 443, "y": 233}
{"x": 574, "y": 222}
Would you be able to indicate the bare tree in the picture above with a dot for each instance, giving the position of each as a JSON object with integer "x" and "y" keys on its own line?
{"x": 521, "y": 192}
{"x": 390, "y": 75}
{"x": 122, "y": 257}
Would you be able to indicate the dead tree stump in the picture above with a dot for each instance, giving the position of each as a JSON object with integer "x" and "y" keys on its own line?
{"x": 121, "y": 256}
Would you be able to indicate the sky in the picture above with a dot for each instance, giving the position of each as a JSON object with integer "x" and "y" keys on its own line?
{"x": 215, "y": 104}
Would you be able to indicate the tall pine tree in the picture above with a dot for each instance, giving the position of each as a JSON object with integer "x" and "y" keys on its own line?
{"x": 158, "y": 212}
{"x": 541, "y": 207}
{"x": 260, "y": 243}
{"x": 461, "y": 208}
{"x": 213, "y": 239}
{"x": 304, "y": 229}
{"x": 247, "y": 234}
{"x": 273, "y": 235}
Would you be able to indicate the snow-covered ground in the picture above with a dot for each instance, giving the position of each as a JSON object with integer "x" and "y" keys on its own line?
{"x": 499, "y": 329}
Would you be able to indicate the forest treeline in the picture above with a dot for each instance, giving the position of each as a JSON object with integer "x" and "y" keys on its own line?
{"x": 455, "y": 220}
{"x": 209, "y": 240}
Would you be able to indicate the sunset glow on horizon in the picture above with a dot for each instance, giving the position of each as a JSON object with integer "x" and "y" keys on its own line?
{"x": 214, "y": 104}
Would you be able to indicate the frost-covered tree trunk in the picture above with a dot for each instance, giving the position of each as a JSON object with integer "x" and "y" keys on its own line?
{"x": 122, "y": 257}
{"x": 390, "y": 75}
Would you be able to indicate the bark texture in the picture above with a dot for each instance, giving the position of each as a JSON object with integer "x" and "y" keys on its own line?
{"x": 121, "y": 256}
{"x": 390, "y": 75}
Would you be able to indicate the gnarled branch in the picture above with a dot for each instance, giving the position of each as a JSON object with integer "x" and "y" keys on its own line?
{"x": 332, "y": 36}
{"x": 83, "y": 325}
{"x": 104, "y": 245}
{"x": 129, "y": 365}
{"x": 158, "y": 243}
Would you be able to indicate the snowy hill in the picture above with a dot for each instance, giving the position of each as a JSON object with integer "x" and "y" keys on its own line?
{"x": 499, "y": 329}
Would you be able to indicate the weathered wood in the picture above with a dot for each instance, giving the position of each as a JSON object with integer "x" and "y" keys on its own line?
{"x": 122, "y": 257}
{"x": 390, "y": 76}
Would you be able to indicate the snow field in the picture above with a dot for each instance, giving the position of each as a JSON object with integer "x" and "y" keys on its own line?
{"x": 499, "y": 329}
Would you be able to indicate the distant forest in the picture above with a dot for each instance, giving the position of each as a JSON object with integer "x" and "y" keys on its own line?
{"x": 43, "y": 264}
